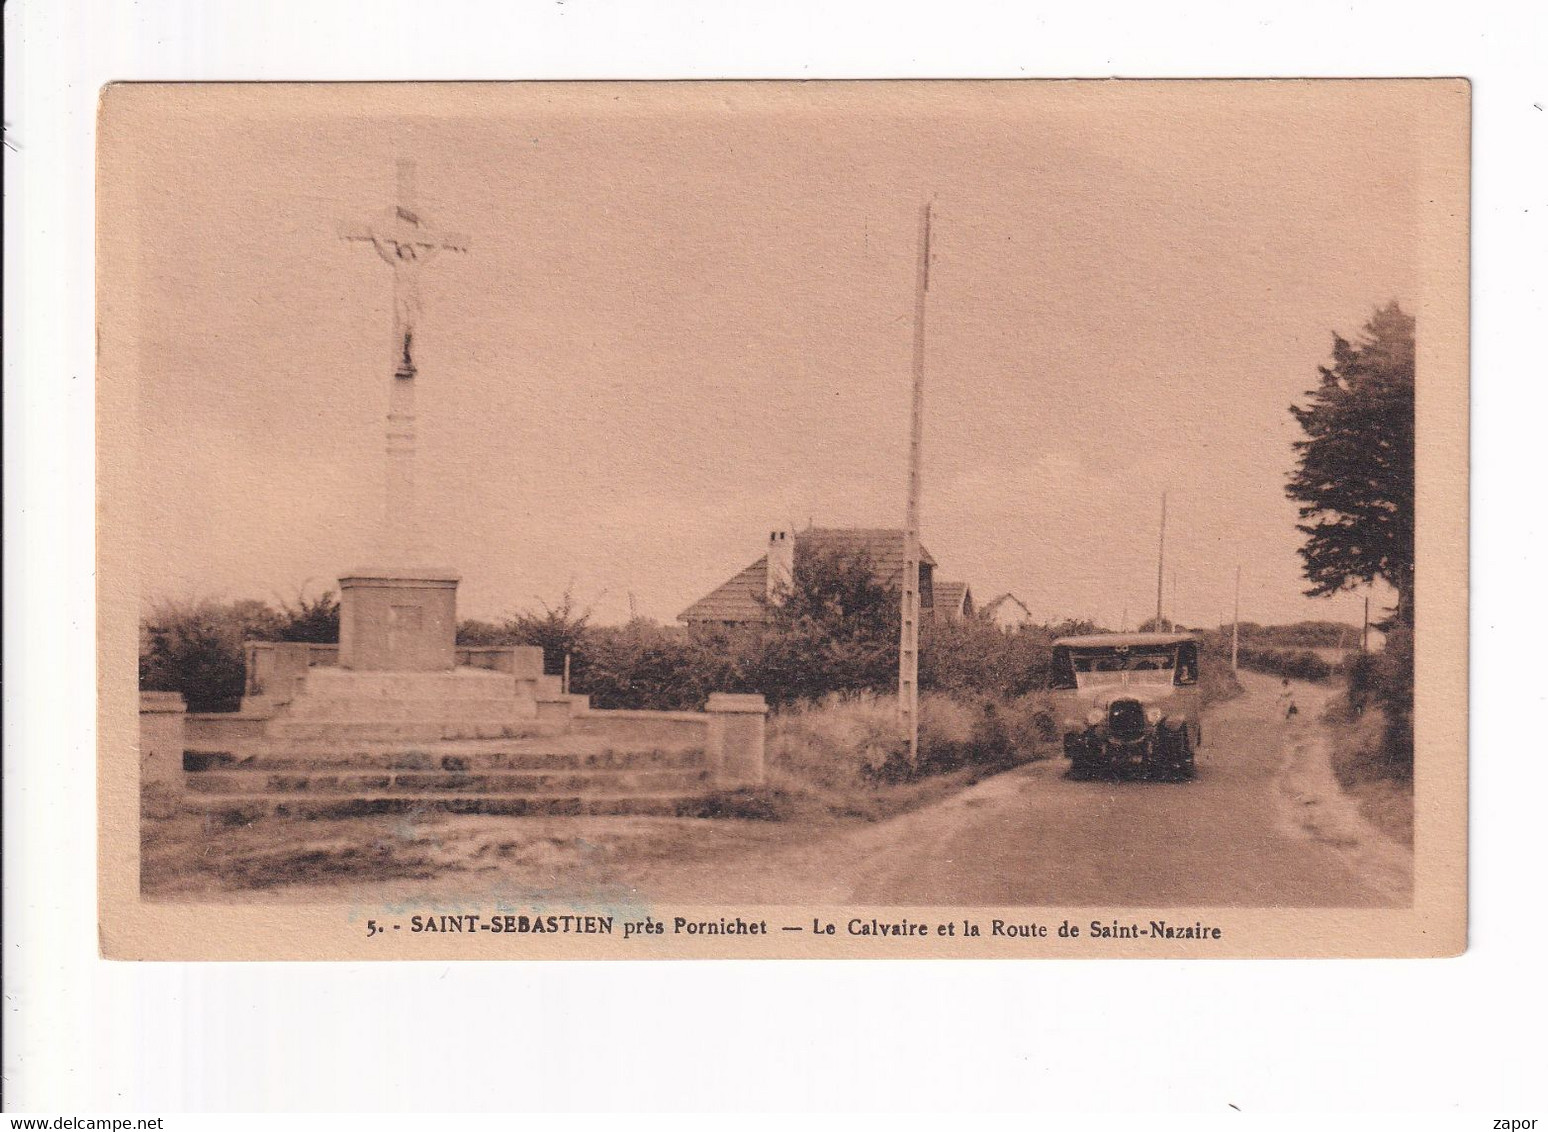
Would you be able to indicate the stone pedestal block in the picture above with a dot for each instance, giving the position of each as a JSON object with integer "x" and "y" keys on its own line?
{"x": 736, "y": 738}
{"x": 161, "y": 740}
{"x": 398, "y": 620}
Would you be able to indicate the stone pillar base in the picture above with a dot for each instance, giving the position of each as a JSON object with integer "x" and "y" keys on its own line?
{"x": 398, "y": 620}
{"x": 161, "y": 753}
{"x": 736, "y": 738}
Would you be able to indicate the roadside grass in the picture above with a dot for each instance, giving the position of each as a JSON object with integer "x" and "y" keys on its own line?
{"x": 1217, "y": 683}
{"x": 840, "y": 758}
{"x": 1366, "y": 770}
{"x": 828, "y": 764}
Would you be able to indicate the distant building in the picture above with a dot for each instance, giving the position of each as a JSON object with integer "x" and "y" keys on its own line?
{"x": 1008, "y": 612}
{"x": 953, "y": 601}
{"x": 746, "y": 598}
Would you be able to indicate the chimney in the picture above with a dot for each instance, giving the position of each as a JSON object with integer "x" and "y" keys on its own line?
{"x": 781, "y": 565}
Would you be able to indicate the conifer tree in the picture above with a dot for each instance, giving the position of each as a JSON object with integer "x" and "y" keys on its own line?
{"x": 1355, "y": 475}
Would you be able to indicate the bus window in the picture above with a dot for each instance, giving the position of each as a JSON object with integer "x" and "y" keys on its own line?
{"x": 1061, "y": 671}
{"x": 1187, "y": 663}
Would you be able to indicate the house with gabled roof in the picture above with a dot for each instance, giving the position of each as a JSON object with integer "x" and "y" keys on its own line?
{"x": 745, "y": 598}
{"x": 1009, "y": 612}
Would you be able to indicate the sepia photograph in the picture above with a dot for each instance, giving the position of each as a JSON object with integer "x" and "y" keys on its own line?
{"x": 760, "y": 519}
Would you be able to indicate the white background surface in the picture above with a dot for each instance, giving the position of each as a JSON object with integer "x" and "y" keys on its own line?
{"x": 82, "y": 1035}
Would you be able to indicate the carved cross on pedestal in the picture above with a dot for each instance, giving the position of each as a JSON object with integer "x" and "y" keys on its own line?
{"x": 406, "y": 242}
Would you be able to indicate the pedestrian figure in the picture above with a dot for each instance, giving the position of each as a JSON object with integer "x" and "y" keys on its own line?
{"x": 1287, "y": 699}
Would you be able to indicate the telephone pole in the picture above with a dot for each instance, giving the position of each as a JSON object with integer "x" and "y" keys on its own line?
{"x": 1161, "y": 563}
{"x": 908, "y": 645}
{"x": 1236, "y": 616}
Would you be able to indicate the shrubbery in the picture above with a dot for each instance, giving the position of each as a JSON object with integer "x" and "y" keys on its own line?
{"x": 1299, "y": 635}
{"x": 195, "y": 647}
{"x": 1217, "y": 683}
{"x": 842, "y": 752}
{"x": 644, "y": 665}
{"x": 833, "y": 638}
{"x": 1385, "y": 681}
{"x": 1295, "y": 664}
{"x": 979, "y": 658}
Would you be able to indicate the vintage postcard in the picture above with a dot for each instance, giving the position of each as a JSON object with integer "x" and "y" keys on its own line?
{"x": 811, "y": 520}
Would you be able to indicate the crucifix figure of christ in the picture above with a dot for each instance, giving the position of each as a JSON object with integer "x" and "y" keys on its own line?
{"x": 406, "y": 242}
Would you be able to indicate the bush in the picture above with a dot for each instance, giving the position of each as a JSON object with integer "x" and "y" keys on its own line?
{"x": 1296, "y": 665}
{"x": 832, "y": 753}
{"x": 982, "y": 732}
{"x": 1373, "y": 737}
{"x": 196, "y": 647}
{"x": 977, "y": 658}
{"x": 1217, "y": 683}
{"x": 1384, "y": 681}
{"x": 559, "y": 630}
{"x": 647, "y": 666}
{"x": 843, "y": 754}
{"x": 313, "y": 621}
{"x": 1299, "y": 635}
{"x": 1362, "y": 761}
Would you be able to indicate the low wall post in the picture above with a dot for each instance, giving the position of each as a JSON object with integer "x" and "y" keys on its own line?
{"x": 162, "y": 715}
{"x": 736, "y": 738}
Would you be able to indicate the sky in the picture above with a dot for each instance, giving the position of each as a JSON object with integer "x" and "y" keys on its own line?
{"x": 685, "y": 319}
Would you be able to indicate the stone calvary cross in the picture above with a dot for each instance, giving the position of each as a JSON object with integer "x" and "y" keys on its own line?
{"x": 400, "y": 615}
{"x": 406, "y": 242}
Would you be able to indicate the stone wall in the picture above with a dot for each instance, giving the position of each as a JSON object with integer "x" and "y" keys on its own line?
{"x": 274, "y": 667}
{"x": 726, "y": 742}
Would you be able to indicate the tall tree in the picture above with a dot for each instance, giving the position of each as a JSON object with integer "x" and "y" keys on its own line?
{"x": 833, "y": 628}
{"x": 1355, "y": 474}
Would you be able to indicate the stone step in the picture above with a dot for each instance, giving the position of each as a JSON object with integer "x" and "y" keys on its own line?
{"x": 529, "y": 734}
{"x": 446, "y": 757}
{"x": 395, "y": 731}
{"x": 361, "y": 710}
{"x": 457, "y": 684}
{"x": 533, "y": 742}
{"x": 238, "y": 809}
{"x": 436, "y": 783}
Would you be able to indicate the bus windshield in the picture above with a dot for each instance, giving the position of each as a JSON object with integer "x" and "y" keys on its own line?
{"x": 1071, "y": 668}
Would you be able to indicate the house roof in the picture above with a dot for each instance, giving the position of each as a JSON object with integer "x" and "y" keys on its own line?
{"x": 949, "y": 595}
{"x": 990, "y": 608}
{"x": 742, "y": 597}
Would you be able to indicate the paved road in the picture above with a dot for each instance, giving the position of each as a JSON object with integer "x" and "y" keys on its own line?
{"x": 1262, "y": 825}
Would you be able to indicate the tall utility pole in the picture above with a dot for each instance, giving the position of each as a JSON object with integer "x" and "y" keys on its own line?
{"x": 1236, "y": 616}
{"x": 908, "y": 645}
{"x": 1365, "y": 628}
{"x": 1161, "y": 562}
